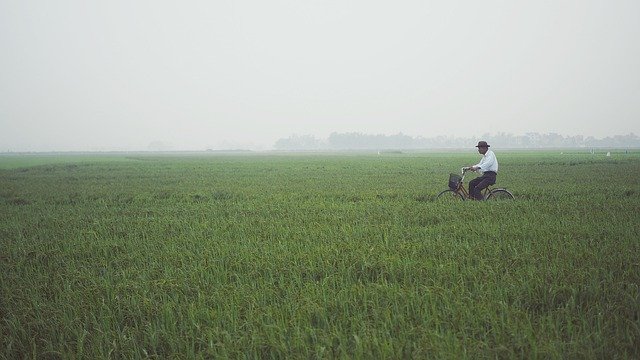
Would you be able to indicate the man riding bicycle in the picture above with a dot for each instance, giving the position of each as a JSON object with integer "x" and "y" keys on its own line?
{"x": 488, "y": 166}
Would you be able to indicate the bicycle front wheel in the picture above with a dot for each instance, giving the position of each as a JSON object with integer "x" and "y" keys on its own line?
{"x": 449, "y": 196}
{"x": 500, "y": 194}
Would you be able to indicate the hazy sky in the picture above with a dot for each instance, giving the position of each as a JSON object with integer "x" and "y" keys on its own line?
{"x": 116, "y": 75}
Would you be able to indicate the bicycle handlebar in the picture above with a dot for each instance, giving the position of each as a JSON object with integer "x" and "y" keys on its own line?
{"x": 464, "y": 170}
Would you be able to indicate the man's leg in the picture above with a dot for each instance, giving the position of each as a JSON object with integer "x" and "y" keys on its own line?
{"x": 483, "y": 181}
{"x": 473, "y": 184}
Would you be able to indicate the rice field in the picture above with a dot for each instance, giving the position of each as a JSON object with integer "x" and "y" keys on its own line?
{"x": 318, "y": 256}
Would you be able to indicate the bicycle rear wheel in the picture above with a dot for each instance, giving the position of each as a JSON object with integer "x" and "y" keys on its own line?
{"x": 449, "y": 196}
{"x": 500, "y": 195}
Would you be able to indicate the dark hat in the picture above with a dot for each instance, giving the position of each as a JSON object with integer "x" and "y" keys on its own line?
{"x": 483, "y": 144}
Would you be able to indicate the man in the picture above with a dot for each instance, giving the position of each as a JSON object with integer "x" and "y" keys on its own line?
{"x": 488, "y": 166}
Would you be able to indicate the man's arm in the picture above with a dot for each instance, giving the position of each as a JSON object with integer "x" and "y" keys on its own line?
{"x": 485, "y": 163}
{"x": 478, "y": 166}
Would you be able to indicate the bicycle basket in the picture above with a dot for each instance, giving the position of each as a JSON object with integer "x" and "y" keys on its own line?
{"x": 454, "y": 181}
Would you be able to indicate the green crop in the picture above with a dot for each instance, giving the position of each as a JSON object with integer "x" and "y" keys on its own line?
{"x": 317, "y": 256}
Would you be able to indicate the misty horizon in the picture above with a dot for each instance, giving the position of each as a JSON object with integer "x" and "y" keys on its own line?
{"x": 399, "y": 141}
{"x": 242, "y": 74}
{"x": 446, "y": 141}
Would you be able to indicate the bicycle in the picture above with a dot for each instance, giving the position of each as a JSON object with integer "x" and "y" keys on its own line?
{"x": 457, "y": 192}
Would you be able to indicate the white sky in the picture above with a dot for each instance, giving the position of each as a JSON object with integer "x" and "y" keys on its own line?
{"x": 119, "y": 75}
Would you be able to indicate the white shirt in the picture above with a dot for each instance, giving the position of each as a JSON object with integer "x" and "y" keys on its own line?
{"x": 488, "y": 162}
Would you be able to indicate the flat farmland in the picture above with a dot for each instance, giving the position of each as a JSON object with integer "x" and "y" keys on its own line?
{"x": 318, "y": 256}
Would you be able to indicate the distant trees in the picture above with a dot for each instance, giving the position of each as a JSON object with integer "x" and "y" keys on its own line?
{"x": 360, "y": 141}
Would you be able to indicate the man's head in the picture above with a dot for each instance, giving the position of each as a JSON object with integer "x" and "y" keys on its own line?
{"x": 483, "y": 147}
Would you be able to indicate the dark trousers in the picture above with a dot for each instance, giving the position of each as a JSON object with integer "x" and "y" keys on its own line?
{"x": 478, "y": 184}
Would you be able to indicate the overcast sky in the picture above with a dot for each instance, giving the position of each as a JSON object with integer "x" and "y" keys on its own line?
{"x": 120, "y": 75}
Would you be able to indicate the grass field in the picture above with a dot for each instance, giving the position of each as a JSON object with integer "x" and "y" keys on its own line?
{"x": 317, "y": 256}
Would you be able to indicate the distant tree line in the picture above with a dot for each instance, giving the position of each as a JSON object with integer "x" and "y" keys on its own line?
{"x": 360, "y": 141}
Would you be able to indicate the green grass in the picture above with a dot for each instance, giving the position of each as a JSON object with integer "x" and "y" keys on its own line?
{"x": 318, "y": 256}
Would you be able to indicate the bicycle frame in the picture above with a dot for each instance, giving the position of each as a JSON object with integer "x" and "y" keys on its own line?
{"x": 461, "y": 189}
{"x": 462, "y": 193}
